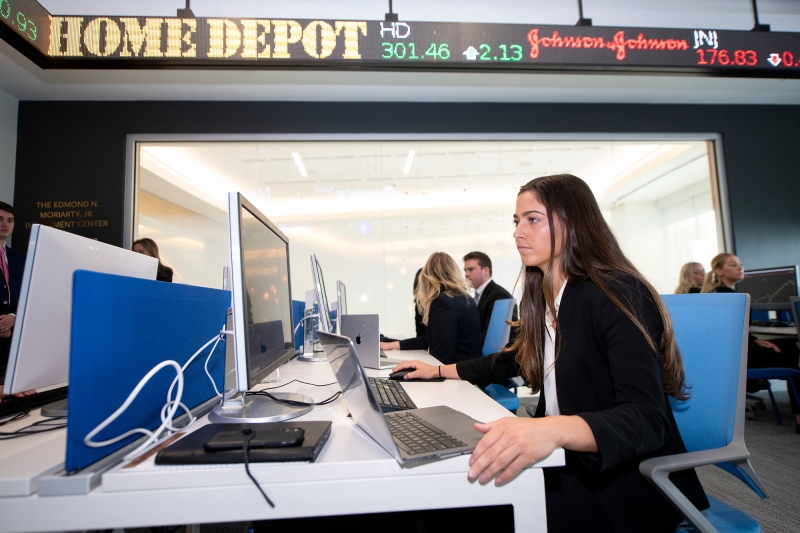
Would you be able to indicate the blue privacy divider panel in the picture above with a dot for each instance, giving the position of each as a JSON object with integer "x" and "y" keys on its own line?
{"x": 121, "y": 328}
{"x": 298, "y": 308}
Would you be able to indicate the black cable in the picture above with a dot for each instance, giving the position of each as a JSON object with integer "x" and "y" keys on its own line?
{"x": 296, "y": 403}
{"x": 18, "y": 416}
{"x": 303, "y": 382}
{"x": 247, "y": 466}
{"x": 25, "y": 431}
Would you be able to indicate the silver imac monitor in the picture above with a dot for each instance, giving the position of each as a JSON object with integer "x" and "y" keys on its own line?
{"x": 40, "y": 340}
{"x": 324, "y": 322}
{"x": 263, "y": 339}
{"x": 321, "y": 296}
{"x": 341, "y": 304}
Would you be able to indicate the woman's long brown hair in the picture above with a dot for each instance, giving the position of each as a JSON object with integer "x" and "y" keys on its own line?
{"x": 591, "y": 251}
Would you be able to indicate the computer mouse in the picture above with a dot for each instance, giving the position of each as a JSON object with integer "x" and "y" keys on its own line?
{"x": 399, "y": 375}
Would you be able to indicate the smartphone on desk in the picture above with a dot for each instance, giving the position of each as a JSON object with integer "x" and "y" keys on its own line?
{"x": 261, "y": 438}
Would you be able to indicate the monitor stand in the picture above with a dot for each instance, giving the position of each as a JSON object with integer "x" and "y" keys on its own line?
{"x": 250, "y": 409}
{"x": 55, "y": 410}
{"x": 309, "y": 354}
{"x": 311, "y": 358}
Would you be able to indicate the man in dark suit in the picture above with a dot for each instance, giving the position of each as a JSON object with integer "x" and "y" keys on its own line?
{"x": 478, "y": 271}
{"x": 11, "y": 264}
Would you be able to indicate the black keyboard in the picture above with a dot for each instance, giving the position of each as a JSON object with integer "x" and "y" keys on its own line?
{"x": 13, "y": 405}
{"x": 417, "y": 436}
{"x": 391, "y": 395}
{"x": 771, "y": 324}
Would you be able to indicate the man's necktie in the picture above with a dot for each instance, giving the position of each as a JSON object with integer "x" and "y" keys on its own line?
{"x": 4, "y": 264}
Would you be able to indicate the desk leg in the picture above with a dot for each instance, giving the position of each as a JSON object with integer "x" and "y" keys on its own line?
{"x": 530, "y": 514}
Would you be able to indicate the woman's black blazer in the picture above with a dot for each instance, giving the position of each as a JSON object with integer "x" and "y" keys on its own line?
{"x": 454, "y": 330}
{"x": 607, "y": 375}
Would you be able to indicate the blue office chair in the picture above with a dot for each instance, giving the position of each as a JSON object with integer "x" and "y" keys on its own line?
{"x": 497, "y": 335}
{"x": 711, "y": 333}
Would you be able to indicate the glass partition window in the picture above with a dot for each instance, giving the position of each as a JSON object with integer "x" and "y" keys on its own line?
{"x": 374, "y": 211}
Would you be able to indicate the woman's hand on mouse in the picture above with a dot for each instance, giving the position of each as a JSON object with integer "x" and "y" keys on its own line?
{"x": 422, "y": 370}
{"x": 419, "y": 370}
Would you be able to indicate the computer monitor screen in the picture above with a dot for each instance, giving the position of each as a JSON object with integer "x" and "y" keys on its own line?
{"x": 40, "y": 340}
{"x": 260, "y": 285}
{"x": 770, "y": 287}
{"x": 322, "y": 297}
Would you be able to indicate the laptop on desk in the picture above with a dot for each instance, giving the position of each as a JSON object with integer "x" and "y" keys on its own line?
{"x": 364, "y": 331}
{"x": 413, "y": 436}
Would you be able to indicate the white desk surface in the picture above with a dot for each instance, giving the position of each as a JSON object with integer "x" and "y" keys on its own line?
{"x": 24, "y": 460}
{"x": 352, "y": 474}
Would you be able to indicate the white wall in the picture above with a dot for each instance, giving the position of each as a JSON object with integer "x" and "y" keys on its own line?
{"x": 8, "y": 146}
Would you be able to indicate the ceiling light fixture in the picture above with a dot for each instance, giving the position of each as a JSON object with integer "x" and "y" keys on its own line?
{"x": 299, "y": 163}
{"x": 410, "y": 159}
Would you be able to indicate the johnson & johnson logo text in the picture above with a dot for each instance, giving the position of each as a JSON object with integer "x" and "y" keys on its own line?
{"x": 619, "y": 44}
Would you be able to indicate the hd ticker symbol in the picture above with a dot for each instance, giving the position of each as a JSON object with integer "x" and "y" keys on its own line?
{"x": 774, "y": 59}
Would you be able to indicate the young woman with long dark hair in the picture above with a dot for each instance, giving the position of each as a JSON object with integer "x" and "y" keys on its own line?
{"x": 597, "y": 341}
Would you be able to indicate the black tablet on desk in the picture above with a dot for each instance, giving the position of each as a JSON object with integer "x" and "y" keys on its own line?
{"x": 192, "y": 449}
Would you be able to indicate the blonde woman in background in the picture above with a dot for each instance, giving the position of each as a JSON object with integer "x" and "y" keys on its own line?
{"x": 453, "y": 331}
{"x": 691, "y": 279}
{"x": 726, "y": 271}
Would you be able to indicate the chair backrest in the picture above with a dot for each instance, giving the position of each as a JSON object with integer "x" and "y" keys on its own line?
{"x": 499, "y": 331}
{"x": 711, "y": 333}
{"x": 795, "y": 302}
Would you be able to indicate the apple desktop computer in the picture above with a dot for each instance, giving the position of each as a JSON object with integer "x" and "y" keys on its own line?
{"x": 341, "y": 304}
{"x": 261, "y": 297}
{"x": 324, "y": 322}
{"x": 40, "y": 341}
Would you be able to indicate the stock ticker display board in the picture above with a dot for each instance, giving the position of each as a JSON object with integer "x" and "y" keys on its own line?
{"x": 105, "y": 42}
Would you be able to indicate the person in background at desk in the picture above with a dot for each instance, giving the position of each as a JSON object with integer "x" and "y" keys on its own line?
{"x": 691, "y": 279}
{"x": 478, "y": 271}
{"x": 597, "y": 340}
{"x": 12, "y": 265}
{"x": 149, "y": 247}
{"x": 726, "y": 271}
{"x": 453, "y": 326}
